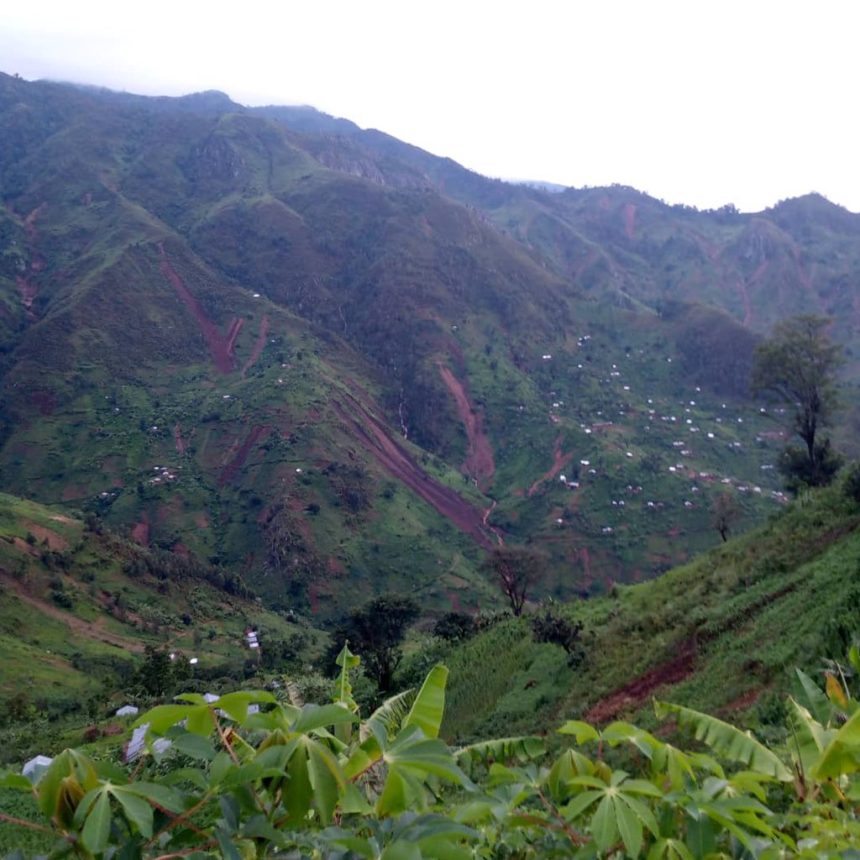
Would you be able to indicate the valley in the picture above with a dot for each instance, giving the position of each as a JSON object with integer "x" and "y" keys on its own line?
{"x": 321, "y": 361}
{"x": 275, "y": 387}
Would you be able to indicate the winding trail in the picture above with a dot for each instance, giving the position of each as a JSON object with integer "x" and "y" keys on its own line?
{"x": 397, "y": 461}
{"x": 220, "y": 347}
{"x": 486, "y": 520}
{"x": 479, "y": 463}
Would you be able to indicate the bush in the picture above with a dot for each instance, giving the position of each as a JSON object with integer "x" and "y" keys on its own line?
{"x": 556, "y": 630}
{"x": 799, "y": 472}
{"x": 455, "y": 627}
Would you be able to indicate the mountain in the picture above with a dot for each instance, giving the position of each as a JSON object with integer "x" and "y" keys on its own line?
{"x": 335, "y": 364}
{"x": 723, "y": 634}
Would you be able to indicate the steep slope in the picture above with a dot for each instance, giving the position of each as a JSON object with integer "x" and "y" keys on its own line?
{"x": 226, "y": 334}
{"x": 626, "y": 247}
{"x": 78, "y": 607}
{"x": 721, "y": 634}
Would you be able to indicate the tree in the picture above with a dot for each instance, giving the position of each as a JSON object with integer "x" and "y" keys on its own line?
{"x": 798, "y": 367}
{"x": 725, "y": 512}
{"x": 155, "y": 675}
{"x": 375, "y": 631}
{"x": 517, "y": 571}
{"x": 455, "y": 627}
{"x": 555, "y": 629}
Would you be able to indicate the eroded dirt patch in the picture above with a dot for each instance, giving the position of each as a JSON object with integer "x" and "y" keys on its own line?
{"x": 43, "y": 535}
{"x": 479, "y": 463}
{"x": 636, "y": 694}
{"x": 397, "y": 461}
{"x": 559, "y": 461}
{"x": 238, "y": 460}
{"x": 220, "y": 347}
{"x": 140, "y": 533}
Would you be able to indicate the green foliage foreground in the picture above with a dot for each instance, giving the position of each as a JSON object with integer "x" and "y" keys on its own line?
{"x": 308, "y": 781}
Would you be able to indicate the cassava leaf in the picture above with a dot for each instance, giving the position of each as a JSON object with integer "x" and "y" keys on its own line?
{"x": 583, "y": 732}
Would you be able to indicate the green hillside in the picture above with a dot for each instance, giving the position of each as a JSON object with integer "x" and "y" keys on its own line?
{"x": 222, "y": 336}
{"x": 721, "y": 634}
{"x": 79, "y": 606}
{"x": 265, "y": 346}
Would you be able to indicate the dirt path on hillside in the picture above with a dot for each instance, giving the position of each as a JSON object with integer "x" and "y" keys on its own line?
{"x": 259, "y": 345}
{"x": 89, "y": 630}
{"x": 634, "y": 695}
{"x": 479, "y": 463}
{"x": 230, "y": 471}
{"x": 397, "y": 461}
{"x": 559, "y": 461}
{"x": 220, "y": 347}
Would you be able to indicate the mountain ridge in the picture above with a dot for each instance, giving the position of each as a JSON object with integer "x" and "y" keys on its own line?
{"x": 308, "y": 329}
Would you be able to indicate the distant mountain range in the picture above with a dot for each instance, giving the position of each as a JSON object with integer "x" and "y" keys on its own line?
{"x": 336, "y": 364}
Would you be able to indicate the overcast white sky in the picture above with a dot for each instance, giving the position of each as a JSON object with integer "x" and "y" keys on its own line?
{"x": 702, "y": 102}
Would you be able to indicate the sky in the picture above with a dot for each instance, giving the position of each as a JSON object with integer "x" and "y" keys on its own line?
{"x": 692, "y": 101}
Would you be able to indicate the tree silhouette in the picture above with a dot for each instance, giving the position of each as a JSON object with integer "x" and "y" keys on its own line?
{"x": 517, "y": 570}
{"x": 374, "y": 632}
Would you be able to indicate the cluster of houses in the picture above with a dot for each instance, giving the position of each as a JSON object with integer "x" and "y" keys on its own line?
{"x": 688, "y": 414}
{"x": 163, "y": 474}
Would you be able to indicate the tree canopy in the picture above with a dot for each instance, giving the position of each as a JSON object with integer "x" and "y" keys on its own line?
{"x": 797, "y": 366}
{"x": 376, "y": 630}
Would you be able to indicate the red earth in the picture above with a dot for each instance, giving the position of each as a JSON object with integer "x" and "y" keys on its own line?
{"x": 177, "y": 438}
{"x": 486, "y": 521}
{"x": 629, "y": 219}
{"x": 220, "y": 347}
{"x": 559, "y": 461}
{"x": 140, "y": 533}
{"x": 396, "y": 460}
{"x": 238, "y": 460}
{"x": 44, "y": 401}
{"x": 479, "y": 463}
{"x": 634, "y": 695}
